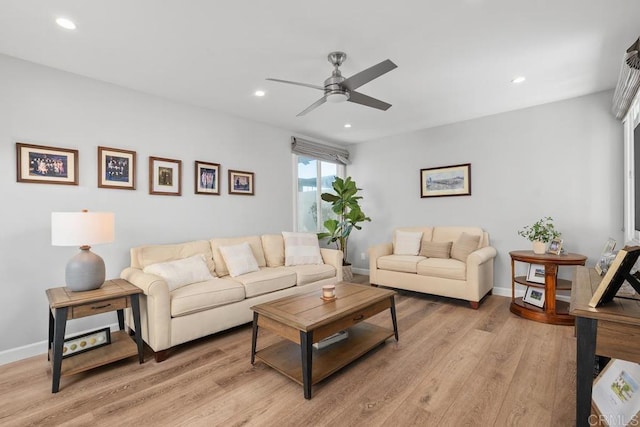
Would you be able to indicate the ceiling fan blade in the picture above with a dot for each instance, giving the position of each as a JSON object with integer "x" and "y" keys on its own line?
{"x": 365, "y": 76}
{"x": 360, "y": 98}
{"x": 296, "y": 83}
{"x": 313, "y": 106}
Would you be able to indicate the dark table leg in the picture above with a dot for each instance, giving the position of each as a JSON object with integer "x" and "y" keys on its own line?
{"x": 60, "y": 324}
{"x": 51, "y": 323}
{"x": 586, "y": 348}
{"x": 254, "y": 337}
{"x": 393, "y": 317}
{"x": 135, "y": 307}
{"x": 306, "y": 341}
{"x": 121, "y": 317}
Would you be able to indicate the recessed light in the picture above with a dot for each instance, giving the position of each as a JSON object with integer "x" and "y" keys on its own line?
{"x": 518, "y": 79}
{"x": 347, "y": 125}
{"x": 66, "y": 23}
{"x": 259, "y": 93}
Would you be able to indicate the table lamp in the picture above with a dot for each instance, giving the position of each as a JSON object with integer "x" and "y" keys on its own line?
{"x": 85, "y": 271}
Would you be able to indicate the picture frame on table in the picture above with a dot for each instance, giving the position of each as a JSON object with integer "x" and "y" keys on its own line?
{"x": 555, "y": 247}
{"x": 606, "y": 256}
{"x": 207, "y": 178}
{"x": 40, "y": 164}
{"x": 85, "y": 342}
{"x": 165, "y": 176}
{"x": 241, "y": 182}
{"x": 534, "y": 296}
{"x": 536, "y": 273}
{"x": 454, "y": 180}
{"x": 116, "y": 168}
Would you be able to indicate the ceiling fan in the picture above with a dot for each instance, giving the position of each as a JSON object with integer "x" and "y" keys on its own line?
{"x": 339, "y": 89}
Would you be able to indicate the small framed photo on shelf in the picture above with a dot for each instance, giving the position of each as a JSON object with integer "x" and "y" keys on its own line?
{"x": 46, "y": 165}
{"x": 606, "y": 256}
{"x": 165, "y": 176}
{"x": 85, "y": 342}
{"x": 534, "y": 296}
{"x": 241, "y": 182}
{"x": 207, "y": 178}
{"x": 555, "y": 247}
{"x": 536, "y": 273}
{"x": 116, "y": 168}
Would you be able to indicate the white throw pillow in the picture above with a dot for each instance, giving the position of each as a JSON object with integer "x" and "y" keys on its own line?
{"x": 239, "y": 259}
{"x": 301, "y": 248}
{"x": 181, "y": 272}
{"x": 407, "y": 242}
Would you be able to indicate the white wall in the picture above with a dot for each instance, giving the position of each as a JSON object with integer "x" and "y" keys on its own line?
{"x": 562, "y": 159}
{"x": 43, "y": 106}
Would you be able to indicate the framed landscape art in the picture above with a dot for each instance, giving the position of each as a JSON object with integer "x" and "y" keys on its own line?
{"x": 207, "y": 178}
{"x": 165, "y": 176}
{"x": 46, "y": 165}
{"x": 534, "y": 296}
{"x": 116, "y": 168}
{"x": 444, "y": 181}
{"x": 241, "y": 182}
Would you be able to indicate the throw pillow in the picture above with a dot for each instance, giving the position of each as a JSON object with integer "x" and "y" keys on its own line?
{"x": 436, "y": 249}
{"x": 181, "y": 272}
{"x": 301, "y": 248}
{"x": 239, "y": 259}
{"x": 462, "y": 247}
{"x": 407, "y": 242}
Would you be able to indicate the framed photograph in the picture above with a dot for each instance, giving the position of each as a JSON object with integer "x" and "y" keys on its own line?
{"x": 446, "y": 181}
{"x": 46, "y": 165}
{"x": 534, "y": 296}
{"x": 241, "y": 182}
{"x": 616, "y": 392}
{"x": 207, "y": 178}
{"x": 555, "y": 247}
{"x": 165, "y": 176}
{"x": 606, "y": 256}
{"x": 116, "y": 168}
{"x": 85, "y": 342}
{"x": 536, "y": 273}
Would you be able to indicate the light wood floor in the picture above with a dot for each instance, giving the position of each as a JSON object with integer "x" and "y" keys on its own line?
{"x": 453, "y": 366}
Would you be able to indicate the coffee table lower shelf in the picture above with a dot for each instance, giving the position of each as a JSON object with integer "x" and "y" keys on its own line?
{"x": 285, "y": 356}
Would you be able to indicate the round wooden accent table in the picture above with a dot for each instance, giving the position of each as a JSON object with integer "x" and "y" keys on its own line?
{"x": 554, "y": 312}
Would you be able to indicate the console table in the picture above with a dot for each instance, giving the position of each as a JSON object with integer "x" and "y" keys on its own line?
{"x": 611, "y": 330}
{"x": 554, "y": 312}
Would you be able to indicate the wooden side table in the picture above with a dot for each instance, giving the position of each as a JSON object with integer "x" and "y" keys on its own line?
{"x": 554, "y": 312}
{"x": 65, "y": 304}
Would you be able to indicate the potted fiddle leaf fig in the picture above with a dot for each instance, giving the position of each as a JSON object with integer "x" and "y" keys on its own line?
{"x": 540, "y": 233}
{"x": 345, "y": 204}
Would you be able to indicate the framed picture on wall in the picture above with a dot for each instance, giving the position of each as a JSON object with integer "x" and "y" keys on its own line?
{"x": 46, "y": 165}
{"x": 241, "y": 182}
{"x": 207, "y": 178}
{"x": 165, "y": 176}
{"x": 444, "y": 181}
{"x": 116, "y": 168}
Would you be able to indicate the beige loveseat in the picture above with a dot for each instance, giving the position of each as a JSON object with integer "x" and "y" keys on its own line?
{"x": 172, "y": 317}
{"x": 464, "y": 271}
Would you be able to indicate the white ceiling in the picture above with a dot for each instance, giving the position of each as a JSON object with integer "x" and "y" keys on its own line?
{"x": 455, "y": 58}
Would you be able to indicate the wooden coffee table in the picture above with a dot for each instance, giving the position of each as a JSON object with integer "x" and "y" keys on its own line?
{"x": 306, "y": 319}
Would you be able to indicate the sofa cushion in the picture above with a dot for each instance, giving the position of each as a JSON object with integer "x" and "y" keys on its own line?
{"x": 205, "y": 295}
{"x": 143, "y": 256}
{"x": 239, "y": 259}
{"x": 444, "y": 268}
{"x": 273, "y": 247}
{"x": 451, "y": 234}
{"x": 312, "y": 273}
{"x": 407, "y": 242}
{"x": 181, "y": 272}
{"x": 301, "y": 249}
{"x": 267, "y": 280}
{"x": 403, "y": 263}
{"x": 256, "y": 247}
{"x": 462, "y": 247}
{"x": 436, "y": 249}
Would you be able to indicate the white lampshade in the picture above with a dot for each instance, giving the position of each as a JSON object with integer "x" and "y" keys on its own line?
{"x": 81, "y": 228}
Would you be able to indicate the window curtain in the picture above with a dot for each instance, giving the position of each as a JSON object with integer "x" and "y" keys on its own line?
{"x": 628, "y": 81}
{"x": 319, "y": 151}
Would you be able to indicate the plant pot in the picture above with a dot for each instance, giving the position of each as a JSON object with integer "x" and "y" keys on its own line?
{"x": 539, "y": 247}
{"x": 347, "y": 274}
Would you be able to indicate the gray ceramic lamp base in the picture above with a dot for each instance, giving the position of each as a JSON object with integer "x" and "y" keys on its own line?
{"x": 85, "y": 271}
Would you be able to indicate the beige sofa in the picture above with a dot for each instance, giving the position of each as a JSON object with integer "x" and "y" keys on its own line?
{"x": 431, "y": 270}
{"x": 172, "y": 317}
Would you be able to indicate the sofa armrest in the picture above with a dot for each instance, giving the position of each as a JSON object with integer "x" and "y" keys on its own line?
{"x": 480, "y": 272}
{"x": 333, "y": 257}
{"x": 482, "y": 255}
{"x": 376, "y": 252}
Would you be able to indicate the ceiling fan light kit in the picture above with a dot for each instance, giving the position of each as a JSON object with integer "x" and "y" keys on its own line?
{"x": 338, "y": 89}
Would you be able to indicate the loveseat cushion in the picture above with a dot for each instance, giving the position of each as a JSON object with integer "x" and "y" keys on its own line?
{"x": 403, "y": 263}
{"x": 301, "y": 249}
{"x": 239, "y": 259}
{"x": 312, "y": 273}
{"x": 436, "y": 249}
{"x": 254, "y": 242}
{"x": 205, "y": 295}
{"x": 462, "y": 247}
{"x": 267, "y": 280}
{"x": 406, "y": 242}
{"x": 443, "y": 268}
{"x": 273, "y": 247}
